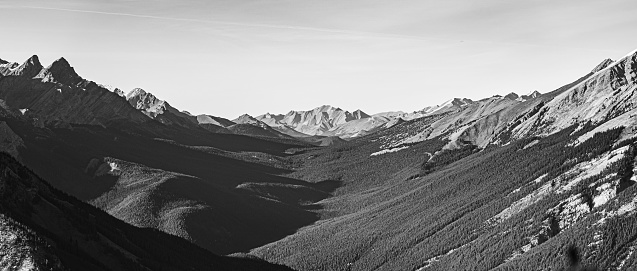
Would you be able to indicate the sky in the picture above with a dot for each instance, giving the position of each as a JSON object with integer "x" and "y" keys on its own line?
{"x": 230, "y": 57}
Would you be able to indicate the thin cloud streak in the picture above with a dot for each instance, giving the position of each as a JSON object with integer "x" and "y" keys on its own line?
{"x": 302, "y": 28}
{"x": 272, "y": 26}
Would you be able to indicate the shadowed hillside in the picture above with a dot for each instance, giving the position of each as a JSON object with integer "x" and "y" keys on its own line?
{"x": 43, "y": 228}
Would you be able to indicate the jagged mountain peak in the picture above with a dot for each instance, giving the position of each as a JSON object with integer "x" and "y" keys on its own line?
{"x": 317, "y": 121}
{"x": 534, "y": 94}
{"x": 60, "y": 71}
{"x": 141, "y": 99}
{"x": 327, "y": 107}
{"x": 137, "y": 92}
{"x": 61, "y": 62}
{"x": 359, "y": 114}
{"x": 159, "y": 110}
{"x": 245, "y": 119}
{"x": 602, "y": 65}
{"x": 34, "y": 59}
{"x": 272, "y": 118}
{"x": 30, "y": 68}
{"x": 148, "y": 103}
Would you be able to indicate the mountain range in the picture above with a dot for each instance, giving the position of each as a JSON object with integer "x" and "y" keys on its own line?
{"x": 96, "y": 178}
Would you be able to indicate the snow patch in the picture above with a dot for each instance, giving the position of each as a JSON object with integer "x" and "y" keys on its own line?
{"x": 114, "y": 166}
{"x": 533, "y": 143}
{"x": 519, "y": 252}
{"x": 432, "y": 260}
{"x": 514, "y": 191}
{"x": 389, "y": 150}
{"x": 539, "y": 179}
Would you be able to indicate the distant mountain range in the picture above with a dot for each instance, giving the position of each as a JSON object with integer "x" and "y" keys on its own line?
{"x": 321, "y": 122}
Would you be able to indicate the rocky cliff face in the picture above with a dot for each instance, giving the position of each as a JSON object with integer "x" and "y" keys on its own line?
{"x": 58, "y": 94}
{"x": 602, "y": 65}
{"x": 463, "y": 121}
{"x": 603, "y": 97}
{"x": 6, "y": 67}
{"x": 29, "y": 68}
{"x": 60, "y": 71}
{"x": 146, "y": 102}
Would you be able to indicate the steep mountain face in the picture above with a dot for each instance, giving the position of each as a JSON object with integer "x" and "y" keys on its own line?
{"x": 462, "y": 121}
{"x": 60, "y": 71}
{"x": 159, "y": 110}
{"x": 358, "y": 114}
{"x": 6, "y": 67}
{"x": 602, "y": 65}
{"x": 58, "y": 94}
{"x": 29, "y": 68}
{"x": 607, "y": 96}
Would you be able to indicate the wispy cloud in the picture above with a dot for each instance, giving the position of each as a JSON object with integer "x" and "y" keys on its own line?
{"x": 304, "y": 28}
{"x": 239, "y": 24}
